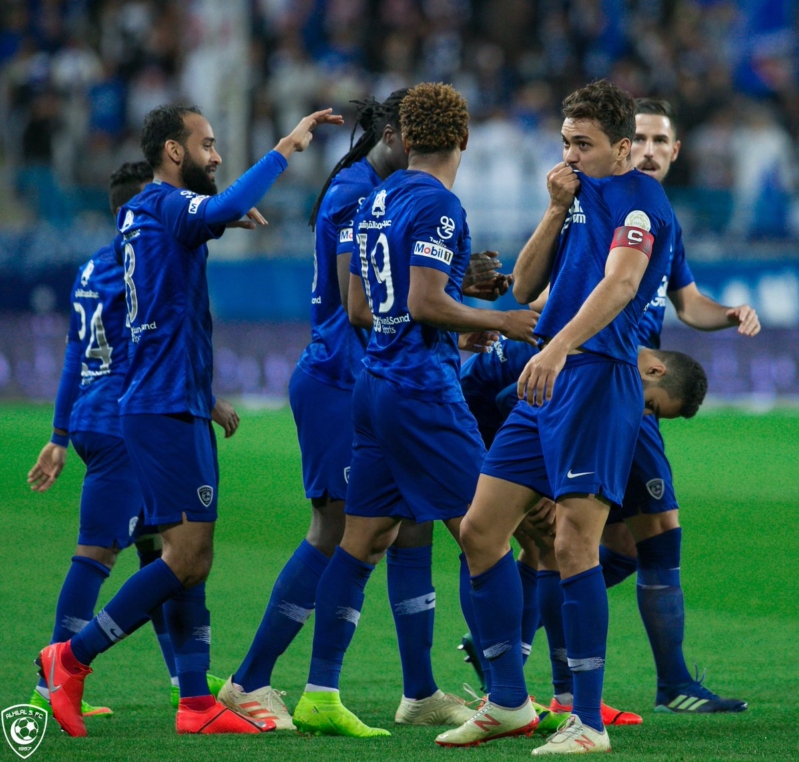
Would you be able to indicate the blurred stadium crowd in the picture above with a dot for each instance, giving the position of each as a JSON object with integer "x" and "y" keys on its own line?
{"x": 78, "y": 76}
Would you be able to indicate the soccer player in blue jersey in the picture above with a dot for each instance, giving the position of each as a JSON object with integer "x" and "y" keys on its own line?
{"x": 604, "y": 244}
{"x": 320, "y": 394}
{"x": 416, "y": 451}
{"x": 165, "y": 407}
{"x": 87, "y": 412}
{"x": 650, "y": 509}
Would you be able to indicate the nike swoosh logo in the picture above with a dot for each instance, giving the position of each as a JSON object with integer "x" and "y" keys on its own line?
{"x": 53, "y": 687}
{"x": 428, "y": 601}
{"x": 570, "y": 475}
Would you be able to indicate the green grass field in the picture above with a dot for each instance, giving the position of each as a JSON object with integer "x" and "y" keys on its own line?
{"x": 737, "y": 478}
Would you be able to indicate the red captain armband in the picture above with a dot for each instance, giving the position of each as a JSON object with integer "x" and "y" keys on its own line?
{"x": 633, "y": 238}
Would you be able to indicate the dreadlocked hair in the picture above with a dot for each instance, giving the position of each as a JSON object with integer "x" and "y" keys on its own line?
{"x": 434, "y": 117}
{"x": 373, "y": 117}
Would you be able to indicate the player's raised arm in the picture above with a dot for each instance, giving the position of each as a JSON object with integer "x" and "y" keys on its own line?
{"x": 701, "y": 312}
{"x": 533, "y": 267}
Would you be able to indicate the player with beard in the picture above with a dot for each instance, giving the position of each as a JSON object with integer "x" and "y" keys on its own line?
{"x": 87, "y": 414}
{"x": 165, "y": 407}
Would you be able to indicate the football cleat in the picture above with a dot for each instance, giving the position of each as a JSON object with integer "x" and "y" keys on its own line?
{"x": 214, "y": 686}
{"x": 439, "y": 709}
{"x": 468, "y": 647}
{"x": 323, "y": 714}
{"x": 548, "y": 720}
{"x": 610, "y": 716}
{"x": 264, "y": 704}
{"x": 575, "y": 738}
{"x": 86, "y": 709}
{"x": 66, "y": 688}
{"x": 217, "y": 719}
{"x": 694, "y": 698}
{"x": 491, "y": 722}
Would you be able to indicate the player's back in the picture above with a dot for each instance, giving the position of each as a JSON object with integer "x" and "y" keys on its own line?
{"x": 622, "y": 210}
{"x": 336, "y": 349}
{"x": 165, "y": 252}
{"x": 411, "y": 220}
{"x": 98, "y": 324}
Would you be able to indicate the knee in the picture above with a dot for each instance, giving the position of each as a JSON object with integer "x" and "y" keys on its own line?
{"x": 105, "y": 556}
{"x": 190, "y": 567}
{"x": 470, "y": 536}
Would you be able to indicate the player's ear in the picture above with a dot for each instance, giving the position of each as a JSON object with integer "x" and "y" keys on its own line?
{"x": 655, "y": 371}
{"x": 174, "y": 151}
{"x": 623, "y": 148}
{"x": 675, "y": 150}
{"x": 406, "y": 145}
{"x": 388, "y": 134}
{"x": 464, "y": 141}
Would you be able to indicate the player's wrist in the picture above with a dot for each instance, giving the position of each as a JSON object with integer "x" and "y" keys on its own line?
{"x": 286, "y": 147}
{"x": 60, "y": 438}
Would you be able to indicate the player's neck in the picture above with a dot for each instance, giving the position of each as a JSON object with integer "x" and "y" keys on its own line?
{"x": 379, "y": 160}
{"x": 443, "y": 166}
{"x": 167, "y": 175}
{"x": 623, "y": 166}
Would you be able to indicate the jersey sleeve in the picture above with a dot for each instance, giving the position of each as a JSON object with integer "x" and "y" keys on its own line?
{"x": 183, "y": 215}
{"x": 437, "y": 230}
{"x": 640, "y": 212}
{"x": 70, "y": 373}
{"x": 345, "y": 200}
{"x": 681, "y": 275}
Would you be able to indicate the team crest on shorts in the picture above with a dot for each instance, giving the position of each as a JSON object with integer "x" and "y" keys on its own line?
{"x": 24, "y": 726}
{"x": 656, "y": 488}
{"x": 206, "y": 494}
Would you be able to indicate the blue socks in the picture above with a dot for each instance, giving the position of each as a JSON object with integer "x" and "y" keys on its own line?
{"x": 291, "y": 603}
{"x": 550, "y": 602}
{"x": 585, "y": 622}
{"x": 529, "y": 578}
{"x": 157, "y": 617}
{"x": 615, "y": 566}
{"x": 413, "y": 603}
{"x": 127, "y": 610}
{"x": 339, "y": 599}
{"x": 467, "y": 607}
{"x": 662, "y": 607}
{"x": 497, "y": 600}
{"x": 78, "y": 596}
{"x": 189, "y": 624}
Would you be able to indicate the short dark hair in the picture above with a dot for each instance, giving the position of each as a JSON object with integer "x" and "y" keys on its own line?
{"x": 612, "y": 108}
{"x": 434, "y": 117}
{"x": 685, "y": 380}
{"x": 161, "y": 124}
{"x": 658, "y": 107}
{"x": 127, "y": 181}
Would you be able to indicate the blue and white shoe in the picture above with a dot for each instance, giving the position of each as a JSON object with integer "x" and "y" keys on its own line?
{"x": 694, "y": 698}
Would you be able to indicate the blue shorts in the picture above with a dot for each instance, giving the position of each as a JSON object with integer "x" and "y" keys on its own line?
{"x": 650, "y": 488}
{"x": 175, "y": 461}
{"x": 111, "y": 499}
{"x": 323, "y": 415}
{"x": 411, "y": 459}
{"x": 579, "y": 443}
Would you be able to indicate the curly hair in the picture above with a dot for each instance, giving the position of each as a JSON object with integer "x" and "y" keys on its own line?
{"x": 658, "y": 107}
{"x": 685, "y": 380}
{"x": 373, "y": 117}
{"x": 161, "y": 124}
{"x": 434, "y": 117}
{"x": 612, "y": 108}
{"x": 127, "y": 181}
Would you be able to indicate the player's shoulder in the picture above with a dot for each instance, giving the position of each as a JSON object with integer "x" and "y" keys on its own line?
{"x": 636, "y": 183}
{"x": 349, "y": 187}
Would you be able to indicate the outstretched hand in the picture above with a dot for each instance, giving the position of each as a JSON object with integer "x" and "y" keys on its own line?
{"x": 300, "y": 137}
{"x": 478, "y": 342}
{"x": 225, "y": 415}
{"x": 48, "y": 467}
{"x": 253, "y": 219}
{"x": 483, "y": 280}
{"x": 746, "y": 318}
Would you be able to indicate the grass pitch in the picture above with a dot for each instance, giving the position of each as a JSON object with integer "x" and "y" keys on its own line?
{"x": 737, "y": 478}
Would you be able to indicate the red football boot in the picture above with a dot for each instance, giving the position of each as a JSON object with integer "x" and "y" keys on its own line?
{"x": 610, "y": 716}
{"x": 217, "y": 719}
{"x": 65, "y": 686}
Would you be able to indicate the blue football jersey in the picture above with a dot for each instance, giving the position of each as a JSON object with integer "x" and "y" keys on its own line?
{"x": 411, "y": 220}
{"x": 337, "y": 347}
{"x": 97, "y": 325}
{"x": 678, "y": 276}
{"x": 600, "y": 207}
{"x": 486, "y": 375}
{"x": 171, "y": 364}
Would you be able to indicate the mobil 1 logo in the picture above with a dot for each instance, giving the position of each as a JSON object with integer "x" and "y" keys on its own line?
{"x": 24, "y": 726}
